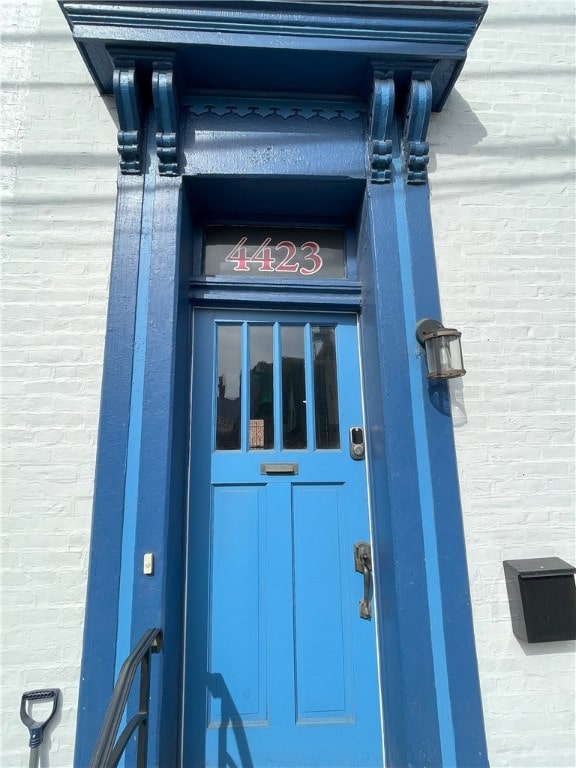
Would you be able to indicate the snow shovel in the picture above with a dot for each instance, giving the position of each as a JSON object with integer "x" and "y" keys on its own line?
{"x": 35, "y": 727}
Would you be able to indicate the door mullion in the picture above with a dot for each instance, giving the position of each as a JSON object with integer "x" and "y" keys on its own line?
{"x": 277, "y": 379}
{"x": 309, "y": 379}
{"x": 245, "y": 389}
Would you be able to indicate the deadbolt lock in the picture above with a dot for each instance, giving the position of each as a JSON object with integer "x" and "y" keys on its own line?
{"x": 357, "y": 448}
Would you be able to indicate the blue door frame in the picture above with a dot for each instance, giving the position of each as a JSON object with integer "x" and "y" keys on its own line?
{"x": 361, "y": 162}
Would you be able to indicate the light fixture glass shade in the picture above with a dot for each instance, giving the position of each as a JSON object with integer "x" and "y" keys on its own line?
{"x": 443, "y": 353}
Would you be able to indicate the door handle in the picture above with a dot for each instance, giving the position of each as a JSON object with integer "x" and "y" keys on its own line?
{"x": 363, "y": 564}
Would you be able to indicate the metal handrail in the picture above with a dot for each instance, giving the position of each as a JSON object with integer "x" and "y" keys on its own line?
{"x": 109, "y": 749}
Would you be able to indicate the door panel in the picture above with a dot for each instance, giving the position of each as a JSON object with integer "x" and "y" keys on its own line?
{"x": 238, "y": 607}
{"x": 280, "y": 669}
{"x": 324, "y": 690}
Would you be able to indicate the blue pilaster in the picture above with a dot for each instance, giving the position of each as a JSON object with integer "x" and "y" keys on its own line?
{"x": 408, "y": 680}
{"x": 101, "y": 622}
{"x": 162, "y": 468}
{"x": 458, "y": 673}
{"x": 421, "y": 555}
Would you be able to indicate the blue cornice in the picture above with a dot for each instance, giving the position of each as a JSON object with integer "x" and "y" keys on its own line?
{"x": 452, "y": 22}
{"x": 428, "y": 37}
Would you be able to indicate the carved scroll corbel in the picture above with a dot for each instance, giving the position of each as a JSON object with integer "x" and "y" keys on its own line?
{"x": 414, "y": 145}
{"x": 166, "y": 110}
{"x": 128, "y": 108}
{"x": 381, "y": 130}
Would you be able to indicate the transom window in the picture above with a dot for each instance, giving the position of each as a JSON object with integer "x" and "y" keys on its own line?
{"x": 294, "y": 253}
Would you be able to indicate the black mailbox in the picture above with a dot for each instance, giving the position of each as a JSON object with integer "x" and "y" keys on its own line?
{"x": 542, "y": 598}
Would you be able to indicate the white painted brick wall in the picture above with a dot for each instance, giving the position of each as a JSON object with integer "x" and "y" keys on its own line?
{"x": 502, "y": 205}
{"x": 58, "y": 183}
{"x": 502, "y": 192}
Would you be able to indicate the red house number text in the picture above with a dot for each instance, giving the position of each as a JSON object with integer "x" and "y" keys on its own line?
{"x": 288, "y": 258}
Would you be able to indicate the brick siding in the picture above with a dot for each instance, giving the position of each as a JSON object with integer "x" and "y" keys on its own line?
{"x": 502, "y": 195}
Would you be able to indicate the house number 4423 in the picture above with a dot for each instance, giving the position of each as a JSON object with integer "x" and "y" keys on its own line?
{"x": 283, "y": 257}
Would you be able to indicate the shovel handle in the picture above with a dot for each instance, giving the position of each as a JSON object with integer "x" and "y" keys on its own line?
{"x": 35, "y": 727}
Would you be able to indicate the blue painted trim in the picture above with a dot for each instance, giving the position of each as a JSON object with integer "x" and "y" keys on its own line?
{"x": 397, "y": 290}
{"x": 435, "y": 601}
{"x": 131, "y": 496}
{"x": 280, "y": 107}
{"x": 325, "y": 109}
{"x": 178, "y": 251}
{"x": 237, "y": 296}
{"x": 100, "y": 625}
{"x": 157, "y": 599}
{"x": 407, "y": 669}
{"x": 429, "y": 681}
{"x": 443, "y": 23}
{"x": 452, "y": 572}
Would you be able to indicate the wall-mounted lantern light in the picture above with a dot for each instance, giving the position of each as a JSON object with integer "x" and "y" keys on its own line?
{"x": 443, "y": 349}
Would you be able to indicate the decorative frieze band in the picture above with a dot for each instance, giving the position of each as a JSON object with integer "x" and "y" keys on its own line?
{"x": 414, "y": 147}
{"x": 275, "y": 108}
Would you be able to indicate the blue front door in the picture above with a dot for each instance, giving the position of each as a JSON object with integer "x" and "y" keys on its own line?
{"x": 280, "y": 668}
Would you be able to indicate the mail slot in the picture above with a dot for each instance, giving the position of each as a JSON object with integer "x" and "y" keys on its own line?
{"x": 542, "y": 598}
{"x": 279, "y": 469}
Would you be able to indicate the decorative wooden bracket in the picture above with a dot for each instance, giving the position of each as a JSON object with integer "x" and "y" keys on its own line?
{"x": 414, "y": 145}
{"x": 128, "y": 107}
{"x": 166, "y": 110}
{"x": 381, "y": 130}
